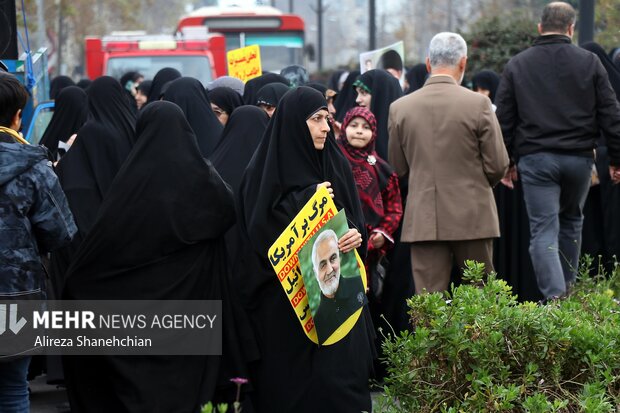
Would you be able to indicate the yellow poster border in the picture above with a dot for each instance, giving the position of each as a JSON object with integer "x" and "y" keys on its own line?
{"x": 283, "y": 257}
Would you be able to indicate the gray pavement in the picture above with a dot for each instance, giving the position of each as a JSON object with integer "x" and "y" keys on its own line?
{"x": 45, "y": 398}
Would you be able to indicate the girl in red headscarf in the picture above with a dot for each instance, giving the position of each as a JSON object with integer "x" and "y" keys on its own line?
{"x": 376, "y": 181}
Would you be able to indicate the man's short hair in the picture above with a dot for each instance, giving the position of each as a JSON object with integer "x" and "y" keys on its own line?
{"x": 446, "y": 49}
{"x": 328, "y": 233}
{"x": 557, "y": 17}
{"x": 390, "y": 60}
{"x": 13, "y": 97}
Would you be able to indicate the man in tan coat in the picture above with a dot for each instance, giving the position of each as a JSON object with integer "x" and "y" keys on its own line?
{"x": 448, "y": 142}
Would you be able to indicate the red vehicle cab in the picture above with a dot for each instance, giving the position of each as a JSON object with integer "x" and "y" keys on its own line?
{"x": 203, "y": 58}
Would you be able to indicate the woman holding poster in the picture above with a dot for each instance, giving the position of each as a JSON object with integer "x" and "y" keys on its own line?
{"x": 297, "y": 155}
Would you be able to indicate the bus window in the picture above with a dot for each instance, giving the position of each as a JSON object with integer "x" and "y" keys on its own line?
{"x": 278, "y": 50}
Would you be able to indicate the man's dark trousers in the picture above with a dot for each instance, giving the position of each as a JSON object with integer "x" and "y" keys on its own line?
{"x": 555, "y": 188}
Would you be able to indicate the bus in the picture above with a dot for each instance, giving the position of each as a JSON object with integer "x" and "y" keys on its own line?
{"x": 280, "y": 36}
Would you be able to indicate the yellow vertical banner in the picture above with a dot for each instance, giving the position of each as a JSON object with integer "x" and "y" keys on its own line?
{"x": 244, "y": 63}
{"x": 283, "y": 257}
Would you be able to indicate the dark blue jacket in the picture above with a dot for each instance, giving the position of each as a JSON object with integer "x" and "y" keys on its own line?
{"x": 34, "y": 218}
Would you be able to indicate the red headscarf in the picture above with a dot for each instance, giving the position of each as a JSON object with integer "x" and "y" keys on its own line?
{"x": 371, "y": 173}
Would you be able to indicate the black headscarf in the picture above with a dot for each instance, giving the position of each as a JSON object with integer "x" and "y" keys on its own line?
{"x": 158, "y": 236}
{"x": 612, "y": 70}
{"x": 108, "y": 105}
{"x": 124, "y": 80}
{"x": 318, "y": 86}
{"x": 271, "y": 93}
{"x": 70, "y": 113}
{"x": 133, "y": 76}
{"x": 162, "y": 77}
{"x": 145, "y": 87}
{"x": 384, "y": 89}
{"x": 84, "y": 83}
{"x": 252, "y": 86}
{"x": 240, "y": 138}
{"x": 346, "y": 97}
{"x": 285, "y": 170}
{"x": 486, "y": 79}
{"x": 189, "y": 94}
{"x": 226, "y": 98}
{"x": 334, "y": 80}
{"x": 416, "y": 76}
{"x": 58, "y": 84}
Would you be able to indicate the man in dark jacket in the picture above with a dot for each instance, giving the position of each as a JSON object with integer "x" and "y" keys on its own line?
{"x": 34, "y": 219}
{"x": 551, "y": 102}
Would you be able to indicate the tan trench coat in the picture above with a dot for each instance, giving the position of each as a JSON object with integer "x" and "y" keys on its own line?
{"x": 448, "y": 141}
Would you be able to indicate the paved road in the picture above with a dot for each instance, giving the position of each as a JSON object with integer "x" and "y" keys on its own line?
{"x": 45, "y": 398}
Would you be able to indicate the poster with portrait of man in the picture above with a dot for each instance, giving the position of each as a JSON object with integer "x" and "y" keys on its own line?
{"x": 390, "y": 58}
{"x": 333, "y": 280}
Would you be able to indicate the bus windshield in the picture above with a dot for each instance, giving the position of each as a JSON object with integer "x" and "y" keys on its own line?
{"x": 195, "y": 66}
{"x": 277, "y": 50}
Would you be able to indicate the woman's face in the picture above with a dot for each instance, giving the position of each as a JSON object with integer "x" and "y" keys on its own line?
{"x": 222, "y": 116}
{"x": 140, "y": 99}
{"x": 268, "y": 109}
{"x": 319, "y": 127}
{"x": 331, "y": 108}
{"x": 363, "y": 98}
{"x": 358, "y": 132}
{"x": 482, "y": 91}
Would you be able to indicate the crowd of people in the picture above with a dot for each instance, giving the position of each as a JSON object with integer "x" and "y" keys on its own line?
{"x": 162, "y": 189}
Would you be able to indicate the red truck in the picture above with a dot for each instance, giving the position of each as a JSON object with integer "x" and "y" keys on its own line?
{"x": 202, "y": 57}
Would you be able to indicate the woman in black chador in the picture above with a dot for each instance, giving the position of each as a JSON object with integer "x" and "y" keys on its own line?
{"x": 240, "y": 138}
{"x": 89, "y": 166}
{"x": 346, "y": 97}
{"x": 165, "y": 75}
{"x": 239, "y": 141}
{"x": 70, "y": 113}
{"x": 254, "y": 85}
{"x": 601, "y": 224}
{"x": 158, "y": 236}
{"x": 511, "y": 257}
{"x": 377, "y": 89}
{"x": 297, "y": 154}
{"x": 189, "y": 94}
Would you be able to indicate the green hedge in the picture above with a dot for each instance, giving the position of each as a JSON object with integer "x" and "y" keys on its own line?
{"x": 477, "y": 349}
{"x": 493, "y": 41}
